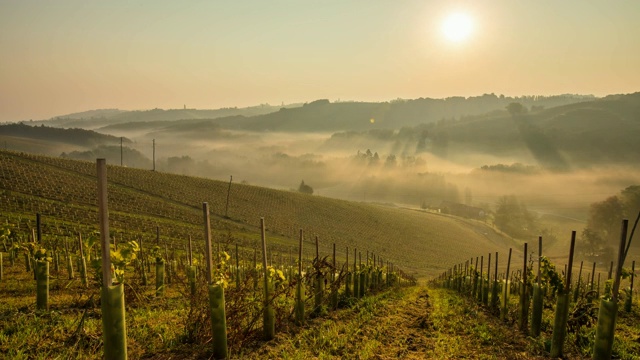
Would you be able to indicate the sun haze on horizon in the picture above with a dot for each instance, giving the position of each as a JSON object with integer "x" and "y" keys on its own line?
{"x": 458, "y": 27}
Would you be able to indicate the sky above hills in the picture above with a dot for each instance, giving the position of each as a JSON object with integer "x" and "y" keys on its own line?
{"x": 65, "y": 56}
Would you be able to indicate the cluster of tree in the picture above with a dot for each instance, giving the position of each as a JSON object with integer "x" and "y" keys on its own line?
{"x": 305, "y": 189}
{"x": 602, "y": 233}
{"x": 406, "y": 141}
{"x": 513, "y": 217}
{"x": 130, "y": 157}
{"x": 390, "y": 161}
{"x": 368, "y": 157}
{"x": 515, "y": 168}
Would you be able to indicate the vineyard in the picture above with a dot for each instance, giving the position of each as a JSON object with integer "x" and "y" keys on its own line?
{"x": 195, "y": 268}
{"x": 63, "y": 192}
{"x": 584, "y": 316}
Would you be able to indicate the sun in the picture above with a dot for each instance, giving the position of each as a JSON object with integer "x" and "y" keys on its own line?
{"x": 457, "y": 27}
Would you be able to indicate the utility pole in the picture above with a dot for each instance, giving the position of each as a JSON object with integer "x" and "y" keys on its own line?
{"x": 226, "y": 209}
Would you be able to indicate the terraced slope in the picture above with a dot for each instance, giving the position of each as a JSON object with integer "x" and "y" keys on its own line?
{"x": 64, "y": 192}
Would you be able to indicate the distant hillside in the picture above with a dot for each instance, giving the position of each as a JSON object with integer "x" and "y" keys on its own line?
{"x": 100, "y": 118}
{"x": 63, "y": 191}
{"x": 602, "y": 131}
{"x": 80, "y": 137}
{"x": 90, "y": 114}
{"x": 319, "y": 115}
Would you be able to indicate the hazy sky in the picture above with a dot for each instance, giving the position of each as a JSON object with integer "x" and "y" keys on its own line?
{"x": 63, "y": 56}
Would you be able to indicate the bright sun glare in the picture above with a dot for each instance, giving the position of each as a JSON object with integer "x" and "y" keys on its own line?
{"x": 457, "y": 27}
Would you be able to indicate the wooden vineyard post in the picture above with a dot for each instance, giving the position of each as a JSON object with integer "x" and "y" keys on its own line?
{"x": 628, "y": 303}
{"x": 237, "y": 268}
{"x": 576, "y": 291}
{"x": 191, "y": 270}
{"x": 536, "y": 314}
{"x": 318, "y": 282}
{"x": 475, "y": 280}
{"x": 114, "y": 329}
{"x": 361, "y": 282}
{"x": 216, "y": 296}
{"x": 255, "y": 272}
{"x": 299, "y": 305}
{"x": 160, "y": 267}
{"x": 56, "y": 263}
{"x": 39, "y": 229}
{"x": 367, "y": 276}
{"x": 562, "y": 308}
{"x": 485, "y": 285}
{"x": 347, "y": 286}
{"x": 356, "y": 277}
{"x": 481, "y": 280}
{"x": 608, "y": 313}
{"x": 334, "y": 284}
{"x": 1, "y": 267}
{"x": 593, "y": 274}
{"x": 494, "y": 290}
{"x": 168, "y": 268}
{"x": 69, "y": 262}
{"x": 505, "y": 301}
{"x": 83, "y": 262}
{"x": 380, "y": 281}
{"x": 142, "y": 266}
{"x": 269, "y": 314}
{"x": 226, "y": 207}
{"x": 524, "y": 296}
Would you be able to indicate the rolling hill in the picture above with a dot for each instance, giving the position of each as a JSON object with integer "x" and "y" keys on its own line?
{"x": 64, "y": 192}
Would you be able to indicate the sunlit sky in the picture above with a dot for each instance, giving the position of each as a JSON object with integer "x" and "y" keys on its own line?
{"x": 65, "y": 56}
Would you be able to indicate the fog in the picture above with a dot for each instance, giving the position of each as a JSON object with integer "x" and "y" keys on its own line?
{"x": 393, "y": 172}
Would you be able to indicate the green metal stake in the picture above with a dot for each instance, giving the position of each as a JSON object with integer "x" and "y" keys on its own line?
{"x": 216, "y": 296}
{"x": 218, "y": 321}
{"x": 42, "y": 272}
{"x": 299, "y": 305}
{"x": 70, "y": 267}
{"x": 629, "y": 300}
{"x": 505, "y": 301}
{"x": 562, "y": 308}
{"x": 160, "y": 274}
{"x": 114, "y": 329}
{"x": 608, "y": 313}
{"x": 269, "y": 314}
{"x": 536, "y": 314}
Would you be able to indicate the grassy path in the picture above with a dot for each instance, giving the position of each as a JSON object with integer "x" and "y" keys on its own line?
{"x": 414, "y": 323}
